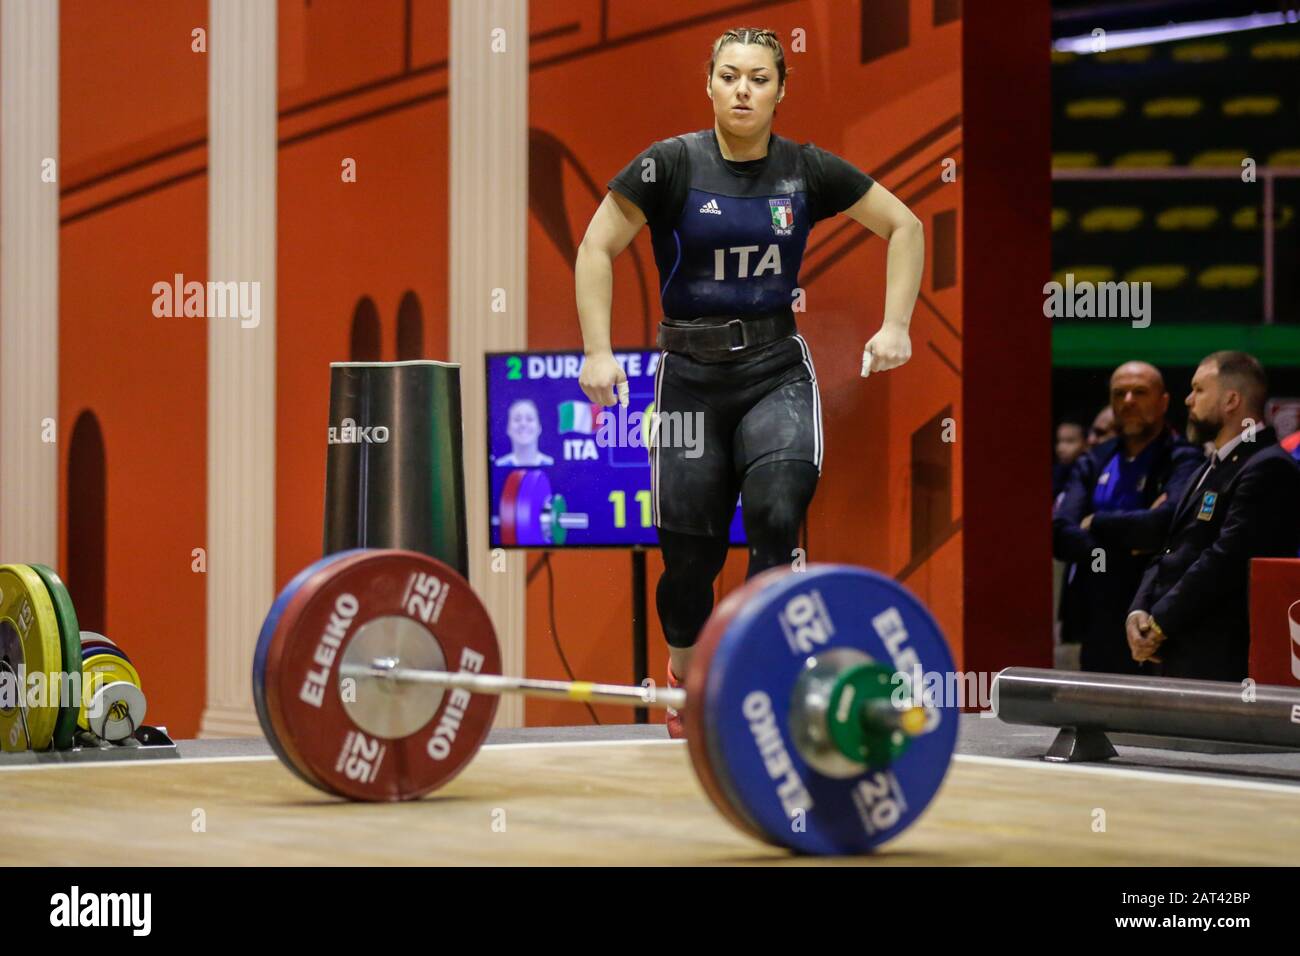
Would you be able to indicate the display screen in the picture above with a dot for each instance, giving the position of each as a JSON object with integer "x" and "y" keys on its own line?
{"x": 565, "y": 472}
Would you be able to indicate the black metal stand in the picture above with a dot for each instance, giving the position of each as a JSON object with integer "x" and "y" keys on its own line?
{"x": 147, "y": 743}
{"x": 1080, "y": 745}
{"x": 640, "y": 643}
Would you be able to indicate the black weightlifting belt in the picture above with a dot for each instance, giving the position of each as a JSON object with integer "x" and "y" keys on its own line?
{"x": 720, "y": 337}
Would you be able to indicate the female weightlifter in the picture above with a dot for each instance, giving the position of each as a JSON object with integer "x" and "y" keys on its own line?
{"x": 730, "y": 209}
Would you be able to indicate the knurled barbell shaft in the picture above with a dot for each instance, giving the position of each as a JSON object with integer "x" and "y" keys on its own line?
{"x": 582, "y": 691}
{"x": 908, "y": 720}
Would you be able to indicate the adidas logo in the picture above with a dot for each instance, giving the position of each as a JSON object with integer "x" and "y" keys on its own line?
{"x": 711, "y": 207}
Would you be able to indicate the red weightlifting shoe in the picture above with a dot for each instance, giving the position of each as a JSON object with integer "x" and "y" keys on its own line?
{"x": 672, "y": 719}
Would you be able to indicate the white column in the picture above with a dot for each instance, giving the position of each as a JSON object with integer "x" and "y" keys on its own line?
{"x": 241, "y": 356}
{"x": 489, "y": 210}
{"x": 29, "y": 281}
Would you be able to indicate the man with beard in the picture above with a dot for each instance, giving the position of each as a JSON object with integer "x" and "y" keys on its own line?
{"x": 1113, "y": 514}
{"x": 1191, "y": 614}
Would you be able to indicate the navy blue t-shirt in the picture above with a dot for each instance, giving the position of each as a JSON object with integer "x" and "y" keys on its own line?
{"x": 729, "y": 237}
{"x": 1120, "y": 484}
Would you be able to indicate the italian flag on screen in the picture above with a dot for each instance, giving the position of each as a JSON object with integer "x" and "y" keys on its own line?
{"x": 579, "y": 417}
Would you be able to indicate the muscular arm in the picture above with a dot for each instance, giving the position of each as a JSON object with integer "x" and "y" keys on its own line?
{"x": 613, "y": 227}
{"x": 885, "y": 214}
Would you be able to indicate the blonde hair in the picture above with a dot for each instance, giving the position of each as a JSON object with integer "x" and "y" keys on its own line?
{"x": 754, "y": 35}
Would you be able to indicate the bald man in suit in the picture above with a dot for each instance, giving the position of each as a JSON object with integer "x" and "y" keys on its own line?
{"x": 1117, "y": 504}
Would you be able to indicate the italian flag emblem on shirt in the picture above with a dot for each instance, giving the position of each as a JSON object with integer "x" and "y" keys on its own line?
{"x": 581, "y": 417}
{"x": 782, "y": 215}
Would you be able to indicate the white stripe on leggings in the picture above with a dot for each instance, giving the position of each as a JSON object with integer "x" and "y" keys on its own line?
{"x": 817, "y": 402}
{"x": 654, "y": 441}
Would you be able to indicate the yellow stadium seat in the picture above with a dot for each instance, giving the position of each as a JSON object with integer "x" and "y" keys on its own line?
{"x": 1207, "y": 52}
{"x": 1187, "y": 217}
{"x": 1169, "y": 107}
{"x": 1160, "y": 277}
{"x": 1276, "y": 50}
{"x": 1247, "y": 217}
{"x": 1111, "y": 219}
{"x": 1063, "y": 56}
{"x": 1085, "y": 274}
{"x": 1099, "y": 108}
{"x": 1073, "y": 160}
{"x": 1145, "y": 158}
{"x": 1228, "y": 277}
{"x": 1285, "y": 157}
{"x": 1060, "y": 219}
{"x": 1251, "y": 106}
{"x": 1131, "y": 54}
{"x": 1215, "y": 158}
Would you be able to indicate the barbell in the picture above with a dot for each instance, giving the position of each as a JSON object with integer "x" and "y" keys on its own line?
{"x": 377, "y": 675}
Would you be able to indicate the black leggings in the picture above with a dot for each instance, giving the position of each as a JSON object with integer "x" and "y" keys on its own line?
{"x": 774, "y": 499}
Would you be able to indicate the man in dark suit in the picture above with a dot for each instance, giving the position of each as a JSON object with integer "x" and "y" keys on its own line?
{"x": 1191, "y": 614}
{"x": 1113, "y": 514}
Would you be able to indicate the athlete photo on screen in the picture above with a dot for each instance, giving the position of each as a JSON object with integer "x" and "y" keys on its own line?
{"x": 524, "y": 426}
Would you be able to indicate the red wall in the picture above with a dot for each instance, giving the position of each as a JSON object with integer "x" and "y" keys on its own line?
{"x": 349, "y": 89}
{"x": 133, "y": 209}
{"x": 134, "y": 197}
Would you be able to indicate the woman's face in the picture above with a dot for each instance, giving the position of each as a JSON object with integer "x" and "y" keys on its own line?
{"x": 524, "y": 427}
{"x": 744, "y": 88}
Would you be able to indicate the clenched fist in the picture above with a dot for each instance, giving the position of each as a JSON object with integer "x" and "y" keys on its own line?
{"x": 600, "y": 375}
{"x": 888, "y": 348}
